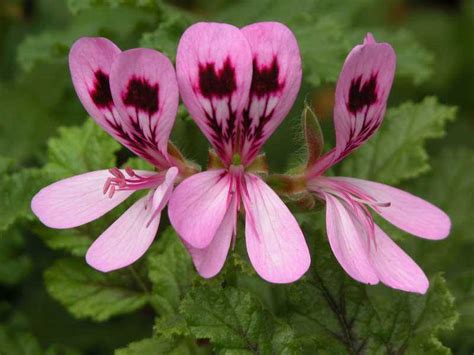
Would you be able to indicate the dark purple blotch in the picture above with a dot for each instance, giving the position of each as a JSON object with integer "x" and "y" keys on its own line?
{"x": 217, "y": 83}
{"x": 142, "y": 95}
{"x": 101, "y": 95}
{"x": 362, "y": 94}
{"x": 265, "y": 79}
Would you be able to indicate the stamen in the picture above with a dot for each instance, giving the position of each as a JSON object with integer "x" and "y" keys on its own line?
{"x": 120, "y": 182}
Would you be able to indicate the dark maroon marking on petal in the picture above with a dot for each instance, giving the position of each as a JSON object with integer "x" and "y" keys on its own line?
{"x": 362, "y": 95}
{"x": 101, "y": 95}
{"x": 219, "y": 83}
{"x": 265, "y": 79}
{"x": 141, "y": 95}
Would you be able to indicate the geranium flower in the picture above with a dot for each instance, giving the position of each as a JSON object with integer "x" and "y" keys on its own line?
{"x": 133, "y": 95}
{"x": 365, "y": 252}
{"x": 238, "y": 85}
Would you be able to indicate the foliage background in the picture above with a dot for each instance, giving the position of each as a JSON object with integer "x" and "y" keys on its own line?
{"x": 52, "y": 303}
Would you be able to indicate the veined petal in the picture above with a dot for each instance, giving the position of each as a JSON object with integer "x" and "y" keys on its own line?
{"x": 145, "y": 92}
{"x": 214, "y": 70}
{"x": 394, "y": 267}
{"x": 90, "y": 60}
{"x": 349, "y": 241}
{"x": 90, "y": 63}
{"x": 126, "y": 240}
{"x": 276, "y": 81}
{"x": 361, "y": 98}
{"x": 210, "y": 260}
{"x": 198, "y": 205}
{"x": 275, "y": 242}
{"x": 406, "y": 211}
{"x": 76, "y": 200}
{"x": 362, "y": 92}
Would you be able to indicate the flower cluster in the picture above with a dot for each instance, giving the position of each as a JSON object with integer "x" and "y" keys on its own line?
{"x": 238, "y": 85}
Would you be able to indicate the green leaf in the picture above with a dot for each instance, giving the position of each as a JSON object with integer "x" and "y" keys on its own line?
{"x": 337, "y": 314}
{"x": 73, "y": 241}
{"x": 234, "y": 321}
{"x": 79, "y": 150}
{"x": 76, "y": 6}
{"x": 87, "y": 293}
{"x": 166, "y": 37}
{"x": 156, "y": 346}
{"x": 451, "y": 187}
{"x": 170, "y": 271}
{"x": 397, "y": 151}
{"x": 17, "y": 190}
{"x": 18, "y": 343}
{"x": 15, "y": 263}
{"x": 118, "y": 23}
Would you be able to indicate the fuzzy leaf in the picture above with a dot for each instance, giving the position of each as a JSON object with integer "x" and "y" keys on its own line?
{"x": 87, "y": 293}
{"x": 155, "y": 346}
{"x": 16, "y": 191}
{"x": 234, "y": 321}
{"x": 170, "y": 271}
{"x": 334, "y": 313}
{"x": 80, "y": 149}
{"x": 397, "y": 151}
{"x": 15, "y": 263}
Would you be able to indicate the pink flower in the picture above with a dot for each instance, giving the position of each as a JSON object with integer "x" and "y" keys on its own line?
{"x": 133, "y": 95}
{"x": 365, "y": 252}
{"x": 238, "y": 85}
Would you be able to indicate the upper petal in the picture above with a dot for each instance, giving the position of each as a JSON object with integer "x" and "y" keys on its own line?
{"x": 349, "y": 241}
{"x": 126, "y": 240}
{"x": 275, "y": 243}
{"x": 198, "y": 205}
{"x": 210, "y": 260}
{"x": 361, "y": 96}
{"x": 394, "y": 267}
{"x": 214, "y": 70}
{"x": 406, "y": 211}
{"x": 276, "y": 80}
{"x": 145, "y": 92}
{"x": 90, "y": 63}
{"x": 76, "y": 200}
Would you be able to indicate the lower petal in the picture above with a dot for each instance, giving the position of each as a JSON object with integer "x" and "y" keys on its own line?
{"x": 76, "y": 200}
{"x": 210, "y": 260}
{"x": 394, "y": 267}
{"x": 275, "y": 243}
{"x": 348, "y": 241}
{"x": 198, "y": 205}
{"x": 407, "y": 212}
{"x": 126, "y": 240}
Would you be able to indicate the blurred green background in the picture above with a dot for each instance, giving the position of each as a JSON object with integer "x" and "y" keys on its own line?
{"x": 434, "y": 41}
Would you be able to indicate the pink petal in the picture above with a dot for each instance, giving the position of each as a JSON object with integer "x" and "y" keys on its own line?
{"x": 163, "y": 192}
{"x": 361, "y": 94}
{"x": 214, "y": 70}
{"x": 76, "y": 200}
{"x": 90, "y": 63}
{"x": 210, "y": 260}
{"x": 145, "y": 92}
{"x": 394, "y": 267}
{"x": 275, "y": 83}
{"x": 349, "y": 241}
{"x": 90, "y": 60}
{"x": 126, "y": 240}
{"x": 198, "y": 205}
{"x": 407, "y": 212}
{"x": 275, "y": 242}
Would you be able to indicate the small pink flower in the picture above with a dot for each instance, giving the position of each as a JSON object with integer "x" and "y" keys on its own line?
{"x": 365, "y": 252}
{"x": 133, "y": 95}
{"x": 238, "y": 85}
